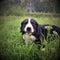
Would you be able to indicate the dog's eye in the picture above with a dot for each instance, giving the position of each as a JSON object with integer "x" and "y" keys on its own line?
{"x": 26, "y": 22}
{"x": 32, "y": 22}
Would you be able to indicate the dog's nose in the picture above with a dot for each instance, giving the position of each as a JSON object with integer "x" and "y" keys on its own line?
{"x": 28, "y": 29}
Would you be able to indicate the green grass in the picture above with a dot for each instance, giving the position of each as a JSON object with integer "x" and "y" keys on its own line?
{"x": 11, "y": 43}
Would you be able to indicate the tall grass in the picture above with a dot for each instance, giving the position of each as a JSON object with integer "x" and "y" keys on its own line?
{"x": 11, "y": 43}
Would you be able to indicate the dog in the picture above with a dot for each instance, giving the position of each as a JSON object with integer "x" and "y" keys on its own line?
{"x": 32, "y": 31}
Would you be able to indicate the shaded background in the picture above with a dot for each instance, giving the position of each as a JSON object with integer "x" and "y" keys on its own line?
{"x": 7, "y": 7}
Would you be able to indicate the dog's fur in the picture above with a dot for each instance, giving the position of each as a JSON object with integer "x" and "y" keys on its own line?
{"x": 31, "y": 26}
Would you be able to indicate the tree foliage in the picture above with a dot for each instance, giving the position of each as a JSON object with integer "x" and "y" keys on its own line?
{"x": 37, "y": 5}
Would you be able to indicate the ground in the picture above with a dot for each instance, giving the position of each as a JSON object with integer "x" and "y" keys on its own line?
{"x": 11, "y": 43}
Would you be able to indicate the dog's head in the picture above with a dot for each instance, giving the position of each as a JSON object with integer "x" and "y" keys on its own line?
{"x": 29, "y": 30}
{"x": 28, "y": 26}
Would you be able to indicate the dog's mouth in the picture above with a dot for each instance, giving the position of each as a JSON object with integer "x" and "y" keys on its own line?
{"x": 28, "y": 32}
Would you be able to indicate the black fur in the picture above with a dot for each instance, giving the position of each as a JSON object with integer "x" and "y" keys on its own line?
{"x": 39, "y": 30}
{"x": 55, "y": 28}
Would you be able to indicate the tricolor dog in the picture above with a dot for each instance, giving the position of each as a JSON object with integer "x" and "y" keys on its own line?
{"x": 32, "y": 31}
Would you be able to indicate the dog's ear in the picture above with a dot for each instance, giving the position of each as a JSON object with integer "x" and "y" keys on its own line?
{"x": 22, "y": 25}
{"x": 39, "y": 30}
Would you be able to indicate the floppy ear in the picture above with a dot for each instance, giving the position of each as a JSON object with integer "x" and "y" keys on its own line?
{"x": 39, "y": 30}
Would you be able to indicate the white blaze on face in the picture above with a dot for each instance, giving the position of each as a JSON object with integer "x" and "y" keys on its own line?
{"x": 29, "y": 25}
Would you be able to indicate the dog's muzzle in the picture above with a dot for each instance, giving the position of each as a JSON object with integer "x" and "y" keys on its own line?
{"x": 28, "y": 29}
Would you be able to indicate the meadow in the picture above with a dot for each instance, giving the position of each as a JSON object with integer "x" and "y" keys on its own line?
{"x": 11, "y": 43}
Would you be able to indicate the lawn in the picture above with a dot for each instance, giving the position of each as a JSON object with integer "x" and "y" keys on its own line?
{"x": 11, "y": 43}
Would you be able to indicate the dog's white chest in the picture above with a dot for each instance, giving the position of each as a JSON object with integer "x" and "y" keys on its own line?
{"x": 28, "y": 38}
